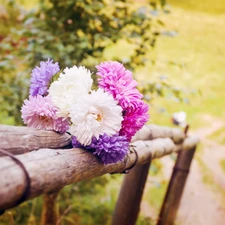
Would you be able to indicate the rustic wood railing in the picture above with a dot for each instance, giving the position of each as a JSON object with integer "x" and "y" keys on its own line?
{"x": 35, "y": 162}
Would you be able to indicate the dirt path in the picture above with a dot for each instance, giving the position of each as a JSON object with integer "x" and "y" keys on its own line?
{"x": 203, "y": 201}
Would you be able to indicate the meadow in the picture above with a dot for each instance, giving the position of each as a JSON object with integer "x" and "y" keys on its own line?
{"x": 193, "y": 60}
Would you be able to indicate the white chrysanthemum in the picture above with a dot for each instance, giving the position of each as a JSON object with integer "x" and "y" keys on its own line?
{"x": 72, "y": 83}
{"x": 95, "y": 114}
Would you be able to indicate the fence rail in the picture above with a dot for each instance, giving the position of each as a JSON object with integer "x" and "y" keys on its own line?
{"x": 51, "y": 164}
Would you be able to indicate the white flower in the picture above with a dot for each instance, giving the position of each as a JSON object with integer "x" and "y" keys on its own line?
{"x": 95, "y": 114}
{"x": 72, "y": 83}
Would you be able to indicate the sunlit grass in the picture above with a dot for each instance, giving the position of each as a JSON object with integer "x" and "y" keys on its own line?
{"x": 155, "y": 195}
{"x": 219, "y": 136}
{"x": 209, "y": 6}
{"x": 200, "y": 50}
{"x": 25, "y": 3}
{"x": 222, "y": 164}
{"x": 193, "y": 60}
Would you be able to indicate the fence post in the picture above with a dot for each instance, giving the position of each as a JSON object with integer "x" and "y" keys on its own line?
{"x": 176, "y": 185}
{"x": 128, "y": 203}
{"x": 49, "y": 212}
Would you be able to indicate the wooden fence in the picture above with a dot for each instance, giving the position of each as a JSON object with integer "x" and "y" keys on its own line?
{"x": 35, "y": 162}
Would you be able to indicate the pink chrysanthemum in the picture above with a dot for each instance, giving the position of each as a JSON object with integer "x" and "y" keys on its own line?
{"x": 118, "y": 81}
{"x": 39, "y": 112}
{"x": 134, "y": 119}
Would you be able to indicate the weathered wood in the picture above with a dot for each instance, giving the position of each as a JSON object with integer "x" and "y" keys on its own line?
{"x": 128, "y": 203}
{"x": 50, "y": 170}
{"x": 176, "y": 186}
{"x": 49, "y": 214}
{"x": 152, "y": 131}
{"x": 19, "y": 140}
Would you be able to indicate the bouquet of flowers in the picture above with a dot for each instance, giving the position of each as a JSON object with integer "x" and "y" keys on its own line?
{"x": 102, "y": 120}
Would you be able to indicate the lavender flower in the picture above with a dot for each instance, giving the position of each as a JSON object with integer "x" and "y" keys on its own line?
{"x": 41, "y": 77}
{"x": 110, "y": 149}
{"x": 76, "y": 143}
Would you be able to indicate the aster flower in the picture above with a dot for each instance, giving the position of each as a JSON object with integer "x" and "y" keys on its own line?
{"x": 95, "y": 114}
{"x": 41, "y": 76}
{"x": 72, "y": 83}
{"x": 134, "y": 119}
{"x": 39, "y": 112}
{"x": 77, "y": 144}
{"x": 118, "y": 81}
{"x": 110, "y": 149}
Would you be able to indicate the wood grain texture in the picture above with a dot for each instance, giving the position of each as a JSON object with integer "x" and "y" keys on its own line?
{"x": 50, "y": 169}
{"x": 150, "y": 132}
{"x": 19, "y": 140}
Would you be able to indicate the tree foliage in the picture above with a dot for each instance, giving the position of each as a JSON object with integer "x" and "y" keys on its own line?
{"x": 73, "y": 33}
{"x": 78, "y": 32}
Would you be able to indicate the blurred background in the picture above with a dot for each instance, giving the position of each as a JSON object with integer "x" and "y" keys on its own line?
{"x": 176, "y": 51}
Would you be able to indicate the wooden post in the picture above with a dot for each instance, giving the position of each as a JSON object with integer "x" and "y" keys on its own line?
{"x": 50, "y": 212}
{"x": 174, "y": 191}
{"x": 128, "y": 204}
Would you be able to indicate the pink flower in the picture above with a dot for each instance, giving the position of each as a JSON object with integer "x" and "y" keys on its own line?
{"x": 134, "y": 119}
{"x": 39, "y": 112}
{"x": 118, "y": 81}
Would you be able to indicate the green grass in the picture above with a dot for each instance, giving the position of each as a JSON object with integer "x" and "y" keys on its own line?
{"x": 155, "y": 195}
{"x": 200, "y": 48}
{"x": 207, "y": 176}
{"x": 209, "y": 6}
{"x": 219, "y": 136}
{"x": 193, "y": 60}
{"x": 222, "y": 164}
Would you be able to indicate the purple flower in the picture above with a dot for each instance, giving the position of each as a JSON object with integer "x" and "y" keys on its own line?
{"x": 110, "y": 149}
{"x": 118, "y": 81}
{"x": 134, "y": 119}
{"x": 39, "y": 112}
{"x": 41, "y": 77}
{"x": 76, "y": 143}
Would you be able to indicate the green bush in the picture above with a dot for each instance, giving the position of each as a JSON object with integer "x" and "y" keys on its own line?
{"x": 72, "y": 33}
{"x": 78, "y": 32}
